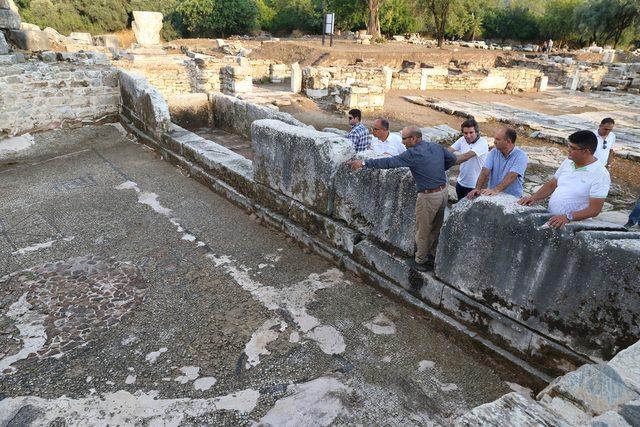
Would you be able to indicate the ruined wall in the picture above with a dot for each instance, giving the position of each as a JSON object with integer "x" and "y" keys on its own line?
{"x": 235, "y": 115}
{"x": 37, "y": 95}
{"x": 546, "y": 296}
{"x": 562, "y": 73}
{"x": 579, "y": 286}
{"x": 318, "y": 81}
{"x": 170, "y": 75}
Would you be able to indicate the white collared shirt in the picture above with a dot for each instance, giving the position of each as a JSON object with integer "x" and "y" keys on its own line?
{"x": 577, "y": 185}
{"x": 392, "y": 145}
{"x": 470, "y": 170}
{"x": 602, "y": 154}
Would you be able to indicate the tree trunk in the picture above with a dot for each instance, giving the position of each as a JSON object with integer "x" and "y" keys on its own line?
{"x": 373, "y": 26}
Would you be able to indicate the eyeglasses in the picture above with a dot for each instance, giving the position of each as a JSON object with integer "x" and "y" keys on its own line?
{"x": 573, "y": 148}
{"x": 373, "y": 128}
{"x": 407, "y": 137}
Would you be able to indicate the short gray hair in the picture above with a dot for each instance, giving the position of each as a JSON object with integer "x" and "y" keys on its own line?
{"x": 414, "y": 131}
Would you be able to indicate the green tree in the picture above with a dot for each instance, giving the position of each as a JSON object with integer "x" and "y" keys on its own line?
{"x": 559, "y": 20}
{"x": 397, "y": 17}
{"x": 440, "y": 10}
{"x": 211, "y": 18}
{"x": 515, "y": 22}
{"x": 302, "y": 15}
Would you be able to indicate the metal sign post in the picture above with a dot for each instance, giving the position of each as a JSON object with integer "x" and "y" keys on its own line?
{"x": 328, "y": 26}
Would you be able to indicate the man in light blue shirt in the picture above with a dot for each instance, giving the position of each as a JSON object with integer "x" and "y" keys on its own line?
{"x": 504, "y": 167}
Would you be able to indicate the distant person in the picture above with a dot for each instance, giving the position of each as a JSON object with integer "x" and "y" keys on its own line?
{"x": 427, "y": 162}
{"x": 634, "y": 216}
{"x": 549, "y": 46}
{"x": 474, "y": 149}
{"x": 580, "y": 185}
{"x": 606, "y": 139}
{"x": 504, "y": 167}
{"x": 359, "y": 135}
{"x": 544, "y": 47}
{"x": 383, "y": 141}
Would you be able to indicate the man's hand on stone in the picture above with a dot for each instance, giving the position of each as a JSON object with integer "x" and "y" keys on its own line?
{"x": 473, "y": 194}
{"x": 489, "y": 192}
{"x": 558, "y": 221}
{"x": 355, "y": 164}
{"x": 526, "y": 201}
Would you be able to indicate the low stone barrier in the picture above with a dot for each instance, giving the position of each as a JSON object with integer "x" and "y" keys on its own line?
{"x": 143, "y": 105}
{"x": 543, "y": 299}
{"x": 66, "y": 90}
{"x": 579, "y": 286}
{"x": 235, "y": 115}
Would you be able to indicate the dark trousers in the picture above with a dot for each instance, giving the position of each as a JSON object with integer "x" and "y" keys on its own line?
{"x": 462, "y": 191}
{"x": 634, "y": 217}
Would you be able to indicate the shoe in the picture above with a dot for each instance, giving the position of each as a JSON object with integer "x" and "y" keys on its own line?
{"x": 423, "y": 267}
{"x": 628, "y": 225}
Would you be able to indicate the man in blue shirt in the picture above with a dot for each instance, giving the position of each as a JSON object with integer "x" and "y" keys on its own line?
{"x": 504, "y": 167}
{"x": 427, "y": 162}
{"x": 359, "y": 135}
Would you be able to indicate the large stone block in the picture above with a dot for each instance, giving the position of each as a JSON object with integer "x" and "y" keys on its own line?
{"x": 379, "y": 203}
{"x": 299, "y": 162}
{"x": 145, "y": 102}
{"x": 146, "y": 27}
{"x": 4, "y": 46}
{"x": 577, "y": 285}
{"x": 81, "y": 38}
{"x": 296, "y": 78}
{"x": 107, "y": 40}
{"x": 54, "y": 36}
{"x": 596, "y": 389}
{"x": 9, "y": 20}
{"x": 34, "y": 41}
{"x": 631, "y": 412}
{"x": 236, "y": 115}
{"x": 511, "y": 410}
{"x": 627, "y": 365}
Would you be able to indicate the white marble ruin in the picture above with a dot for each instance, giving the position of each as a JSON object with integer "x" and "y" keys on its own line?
{"x": 146, "y": 26}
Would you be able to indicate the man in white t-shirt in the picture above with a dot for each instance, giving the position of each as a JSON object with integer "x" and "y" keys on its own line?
{"x": 384, "y": 142}
{"x": 606, "y": 139}
{"x": 580, "y": 185}
{"x": 473, "y": 151}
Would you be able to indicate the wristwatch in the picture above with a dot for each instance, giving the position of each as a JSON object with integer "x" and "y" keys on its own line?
{"x": 569, "y": 216}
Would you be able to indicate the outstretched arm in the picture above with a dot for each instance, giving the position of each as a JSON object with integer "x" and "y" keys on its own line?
{"x": 544, "y": 192}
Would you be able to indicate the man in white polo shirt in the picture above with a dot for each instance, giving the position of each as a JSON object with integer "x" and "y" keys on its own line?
{"x": 606, "y": 139}
{"x": 383, "y": 141}
{"x": 473, "y": 150}
{"x": 580, "y": 185}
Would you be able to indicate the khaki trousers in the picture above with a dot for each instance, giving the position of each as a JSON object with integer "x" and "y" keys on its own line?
{"x": 429, "y": 218}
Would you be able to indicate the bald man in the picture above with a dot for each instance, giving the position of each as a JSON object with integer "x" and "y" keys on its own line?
{"x": 427, "y": 162}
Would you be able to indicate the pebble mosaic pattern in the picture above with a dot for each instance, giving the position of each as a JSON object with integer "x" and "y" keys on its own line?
{"x": 76, "y": 299}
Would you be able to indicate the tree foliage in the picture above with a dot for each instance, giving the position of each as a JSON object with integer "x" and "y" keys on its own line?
{"x": 573, "y": 22}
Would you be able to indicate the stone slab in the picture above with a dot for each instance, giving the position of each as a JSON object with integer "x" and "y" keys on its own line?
{"x": 146, "y": 102}
{"x": 299, "y": 162}
{"x": 375, "y": 258}
{"x": 371, "y": 200}
{"x": 627, "y": 364}
{"x": 34, "y": 41}
{"x": 544, "y": 278}
{"x": 9, "y": 20}
{"x": 630, "y": 411}
{"x": 511, "y": 409}
{"x": 146, "y": 27}
{"x": 4, "y": 46}
{"x": 595, "y": 388}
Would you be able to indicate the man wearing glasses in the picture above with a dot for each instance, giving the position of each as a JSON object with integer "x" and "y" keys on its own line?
{"x": 606, "y": 139}
{"x": 580, "y": 185}
{"x": 359, "y": 135}
{"x": 383, "y": 141}
{"x": 427, "y": 162}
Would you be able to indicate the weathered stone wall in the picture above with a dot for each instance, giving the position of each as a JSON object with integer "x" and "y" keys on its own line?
{"x": 555, "y": 299}
{"x": 579, "y": 286}
{"x": 170, "y": 75}
{"x": 235, "y": 115}
{"x": 143, "y": 105}
{"x": 322, "y": 81}
{"x": 562, "y": 73}
{"x": 37, "y": 95}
